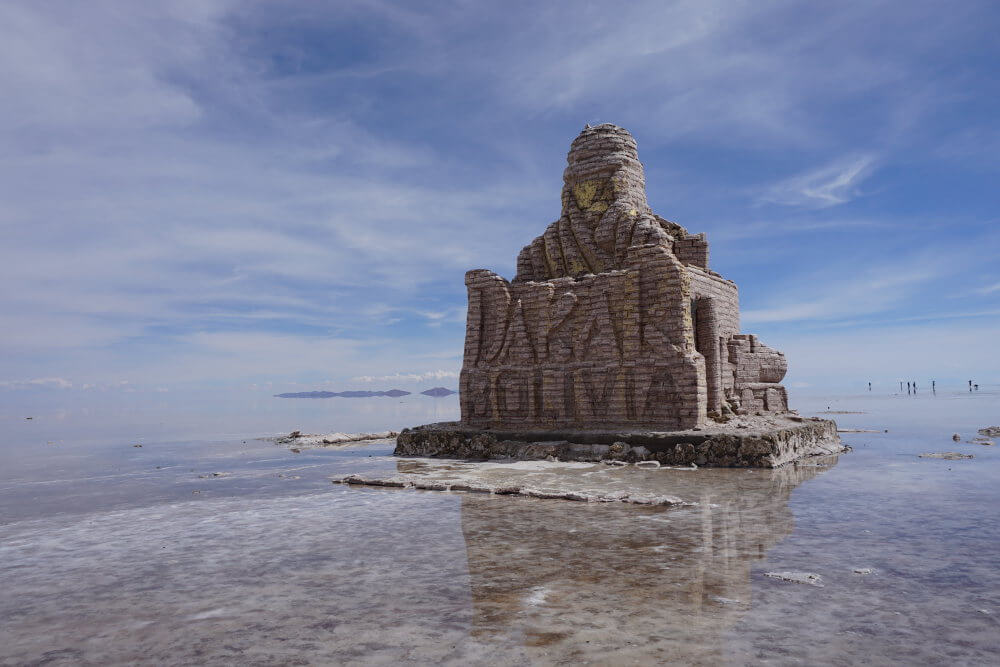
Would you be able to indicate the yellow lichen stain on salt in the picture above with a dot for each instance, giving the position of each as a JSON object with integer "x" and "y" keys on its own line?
{"x": 618, "y": 186}
{"x": 593, "y": 195}
{"x": 584, "y": 193}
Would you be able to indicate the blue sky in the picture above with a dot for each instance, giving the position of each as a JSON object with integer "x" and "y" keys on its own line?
{"x": 269, "y": 195}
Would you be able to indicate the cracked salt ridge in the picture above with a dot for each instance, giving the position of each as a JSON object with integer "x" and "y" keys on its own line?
{"x": 722, "y": 600}
{"x": 509, "y": 490}
{"x": 797, "y": 577}
{"x": 948, "y": 456}
{"x": 578, "y": 480}
{"x": 554, "y": 494}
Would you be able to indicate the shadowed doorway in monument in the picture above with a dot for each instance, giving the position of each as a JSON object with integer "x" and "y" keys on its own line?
{"x": 708, "y": 342}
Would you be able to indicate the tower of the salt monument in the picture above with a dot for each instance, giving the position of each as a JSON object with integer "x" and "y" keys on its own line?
{"x": 614, "y": 318}
{"x": 616, "y": 340}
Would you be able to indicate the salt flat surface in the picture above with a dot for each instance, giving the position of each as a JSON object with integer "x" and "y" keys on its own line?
{"x": 111, "y": 554}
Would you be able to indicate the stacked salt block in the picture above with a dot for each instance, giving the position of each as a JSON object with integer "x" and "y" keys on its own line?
{"x": 614, "y": 319}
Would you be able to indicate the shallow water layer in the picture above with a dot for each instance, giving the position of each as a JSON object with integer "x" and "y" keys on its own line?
{"x": 243, "y": 552}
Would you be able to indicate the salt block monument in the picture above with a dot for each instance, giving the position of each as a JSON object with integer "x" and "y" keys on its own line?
{"x": 616, "y": 340}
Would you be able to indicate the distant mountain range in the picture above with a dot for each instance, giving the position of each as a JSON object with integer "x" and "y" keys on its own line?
{"x": 392, "y": 393}
{"x": 438, "y": 391}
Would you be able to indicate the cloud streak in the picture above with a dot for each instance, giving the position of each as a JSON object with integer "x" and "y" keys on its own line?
{"x": 408, "y": 377}
{"x": 57, "y": 383}
{"x": 830, "y": 185}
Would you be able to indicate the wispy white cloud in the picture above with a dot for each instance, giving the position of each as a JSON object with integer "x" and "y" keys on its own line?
{"x": 408, "y": 377}
{"x": 56, "y": 383}
{"x": 770, "y": 229}
{"x": 838, "y": 296}
{"x": 930, "y": 317}
{"x": 830, "y": 185}
{"x": 889, "y": 353}
{"x": 989, "y": 289}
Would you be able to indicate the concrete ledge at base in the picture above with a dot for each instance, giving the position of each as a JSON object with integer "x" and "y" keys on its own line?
{"x": 762, "y": 444}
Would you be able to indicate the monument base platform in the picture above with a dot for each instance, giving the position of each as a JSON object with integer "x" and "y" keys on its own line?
{"x": 748, "y": 442}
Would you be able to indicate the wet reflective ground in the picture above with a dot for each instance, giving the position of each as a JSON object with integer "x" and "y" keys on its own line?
{"x": 111, "y": 553}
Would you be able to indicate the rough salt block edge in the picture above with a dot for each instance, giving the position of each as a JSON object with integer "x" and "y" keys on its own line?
{"x": 325, "y": 439}
{"x": 808, "y": 578}
{"x": 672, "y": 501}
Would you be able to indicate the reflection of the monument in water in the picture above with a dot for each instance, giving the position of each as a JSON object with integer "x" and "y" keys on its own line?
{"x": 609, "y": 582}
